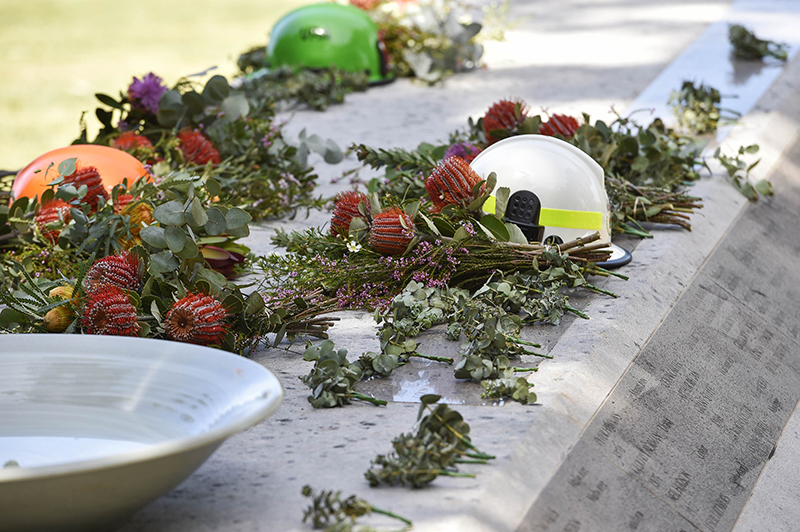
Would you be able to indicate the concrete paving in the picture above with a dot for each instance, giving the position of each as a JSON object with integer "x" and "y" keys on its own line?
{"x": 658, "y": 413}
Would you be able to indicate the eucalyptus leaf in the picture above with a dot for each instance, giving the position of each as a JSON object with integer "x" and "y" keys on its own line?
{"x": 216, "y": 279}
{"x": 170, "y": 108}
{"x": 216, "y": 90}
{"x": 154, "y": 236}
{"x": 67, "y": 166}
{"x": 175, "y": 238}
{"x": 198, "y": 213}
{"x": 193, "y": 101}
{"x": 170, "y": 213}
{"x": 333, "y": 154}
{"x": 216, "y": 224}
{"x": 235, "y": 106}
{"x": 79, "y": 216}
{"x": 163, "y": 262}
{"x": 190, "y": 250}
{"x": 237, "y": 218}
{"x": 212, "y": 187}
{"x": 255, "y": 304}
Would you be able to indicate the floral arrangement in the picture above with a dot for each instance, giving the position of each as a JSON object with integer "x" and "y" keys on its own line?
{"x": 371, "y": 252}
{"x": 648, "y": 168}
{"x": 426, "y": 39}
{"x": 157, "y": 259}
{"x": 227, "y": 135}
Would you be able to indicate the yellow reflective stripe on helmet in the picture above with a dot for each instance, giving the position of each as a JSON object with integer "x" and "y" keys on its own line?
{"x": 490, "y": 205}
{"x": 589, "y": 220}
{"x": 571, "y": 219}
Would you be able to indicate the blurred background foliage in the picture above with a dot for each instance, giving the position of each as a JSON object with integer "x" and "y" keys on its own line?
{"x": 56, "y": 54}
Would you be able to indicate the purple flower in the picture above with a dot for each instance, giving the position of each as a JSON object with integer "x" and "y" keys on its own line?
{"x": 465, "y": 150}
{"x": 145, "y": 94}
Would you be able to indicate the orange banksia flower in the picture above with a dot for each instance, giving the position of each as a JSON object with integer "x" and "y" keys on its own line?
{"x": 451, "y": 183}
{"x": 123, "y": 271}
{"x": 197, "y": 149}
{"x": 139, "y": 215}
{"x": 130, "y": 141}
{"x": 563, "y": 125}
{"x": 90, "y": 177}
{"x": 392, "y": 232}
{"x": 501, "y": 115}
{"x": 48, "y": 214}
{"x": 197, "y": 319}
{"x": 109, "y": 311}
{"x": 345, "y": 210}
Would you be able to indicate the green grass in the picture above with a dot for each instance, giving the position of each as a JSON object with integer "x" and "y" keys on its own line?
{"x": 56, "y": 54}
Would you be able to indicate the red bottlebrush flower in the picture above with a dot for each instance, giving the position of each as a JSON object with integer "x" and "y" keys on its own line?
{"x": 501, "y": 115}
{"x": 346, "y": 209}
{"x": 90, "y": 177}
{"x": 451, "y": 183}
{"x": 563, "y": 125}
{"x": 130, "y": 140}
{"x": 197, "y": 149}
{"x": 123, "y": 271}
{"x": 110, "y": 311}
{"x": 391, "y": 232}
{"x": 197, "y": 319}
{"x": 49, "y": 213}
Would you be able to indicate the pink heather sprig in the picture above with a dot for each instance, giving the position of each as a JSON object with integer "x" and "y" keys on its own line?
{"x": 469, "y": 228}
{"x": 367, "y": 295}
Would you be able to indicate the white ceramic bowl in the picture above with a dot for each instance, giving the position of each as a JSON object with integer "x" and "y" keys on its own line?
{"x": 102, "y": 425}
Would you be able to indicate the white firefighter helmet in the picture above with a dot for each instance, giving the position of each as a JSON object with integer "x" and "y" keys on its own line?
{"x": 557, "y": 192}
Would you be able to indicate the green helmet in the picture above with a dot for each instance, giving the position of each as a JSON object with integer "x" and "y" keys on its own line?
{"x": 329, "y": 35}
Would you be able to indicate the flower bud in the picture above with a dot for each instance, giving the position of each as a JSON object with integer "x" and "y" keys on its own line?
{"x": 58, "y": 319}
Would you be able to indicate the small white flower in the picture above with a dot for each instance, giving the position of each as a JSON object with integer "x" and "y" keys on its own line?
{"x": 353, "y": 246}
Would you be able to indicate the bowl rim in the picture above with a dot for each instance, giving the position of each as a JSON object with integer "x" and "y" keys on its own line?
{"x": 270, "y": 399}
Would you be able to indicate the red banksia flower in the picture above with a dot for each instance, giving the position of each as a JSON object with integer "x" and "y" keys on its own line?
{"x": 123, "y": 271}
{"x": 122, "y": 202}
{"x": 197, "y": 149}
{"x": 346, "y": 209}
{"x": 49, "y": 213}
{"x": 90, "y": 177}
{"x": 110, "y": 311}
{"x": 501, "y": 115}
{"x": 563, "y": 125}
{"x": 391, "y": 232}
{"x": 451, "y": 183}
{"x": 197, "y": 319}
{"x": 130, "y": 140}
